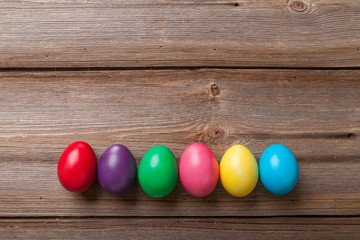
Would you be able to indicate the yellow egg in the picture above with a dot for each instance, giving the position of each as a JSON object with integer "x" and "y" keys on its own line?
{"x": 239, "y": 171}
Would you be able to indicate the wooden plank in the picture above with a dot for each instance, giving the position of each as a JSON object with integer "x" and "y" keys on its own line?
{"x": 181, "y": 228}
{"x": 162, "y": 33}
{"x": 315, "y": 113}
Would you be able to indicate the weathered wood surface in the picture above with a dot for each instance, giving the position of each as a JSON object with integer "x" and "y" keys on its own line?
{"x": 315, "y": 113}
{"x": 162, "y": 33}
{"x": 181, "y": 228}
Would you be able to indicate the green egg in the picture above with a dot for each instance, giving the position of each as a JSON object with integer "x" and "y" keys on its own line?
{"x": 158, "y": 172}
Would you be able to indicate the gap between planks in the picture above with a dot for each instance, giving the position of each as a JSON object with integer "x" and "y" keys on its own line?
{"x": 159, "y": 68}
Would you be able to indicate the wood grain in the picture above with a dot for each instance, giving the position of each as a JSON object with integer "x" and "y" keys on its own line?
{"x": 168, "y": 33}
{"x": 315, "y": 113}
{"x": 181, "y": 228}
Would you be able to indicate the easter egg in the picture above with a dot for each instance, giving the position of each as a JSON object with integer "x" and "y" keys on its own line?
{"x": 117, "y": 169}
{"x": 239, "y": 171}
{"x": 158, "y": 172}
{"x": 198, "y": 170}
{"x": 279, "y": 170}
{"x": 77, "y": 167}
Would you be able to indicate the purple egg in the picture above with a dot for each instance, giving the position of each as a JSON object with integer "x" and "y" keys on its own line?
{"x": 117, "y": 169}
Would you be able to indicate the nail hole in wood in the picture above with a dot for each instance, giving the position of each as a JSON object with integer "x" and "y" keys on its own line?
{"x": 351, "y": 136}
{"x": 236, "y": 4}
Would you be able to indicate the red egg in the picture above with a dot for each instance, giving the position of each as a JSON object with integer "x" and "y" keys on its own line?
{"x": 77, "y": 167}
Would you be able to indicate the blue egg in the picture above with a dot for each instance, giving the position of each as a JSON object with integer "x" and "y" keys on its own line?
{"x": 279, "y": 170}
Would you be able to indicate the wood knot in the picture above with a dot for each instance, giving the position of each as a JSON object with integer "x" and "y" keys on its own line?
{"x": 215, "y": 90}
{"x": 216, "y": 132}
{"x": 298, "y": 6}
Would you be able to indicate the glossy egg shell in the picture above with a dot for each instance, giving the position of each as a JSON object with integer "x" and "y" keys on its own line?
{"x": 117, "y": 169}
{"x": 77, "y": 167}
{"x": 239, "y": 171}
{"x": 279, "y": 170}
{"x": 158, "y": 172}
{"x": 198, "y": 170}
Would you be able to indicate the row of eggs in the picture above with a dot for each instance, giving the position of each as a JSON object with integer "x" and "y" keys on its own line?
{"x": 158, "y": 173}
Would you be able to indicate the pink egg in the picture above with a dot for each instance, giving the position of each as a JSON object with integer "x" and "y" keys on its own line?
{"x": 198, "y": 170}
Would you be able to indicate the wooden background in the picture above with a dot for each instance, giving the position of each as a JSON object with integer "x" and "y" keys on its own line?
{"x": 143, "y": 73}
